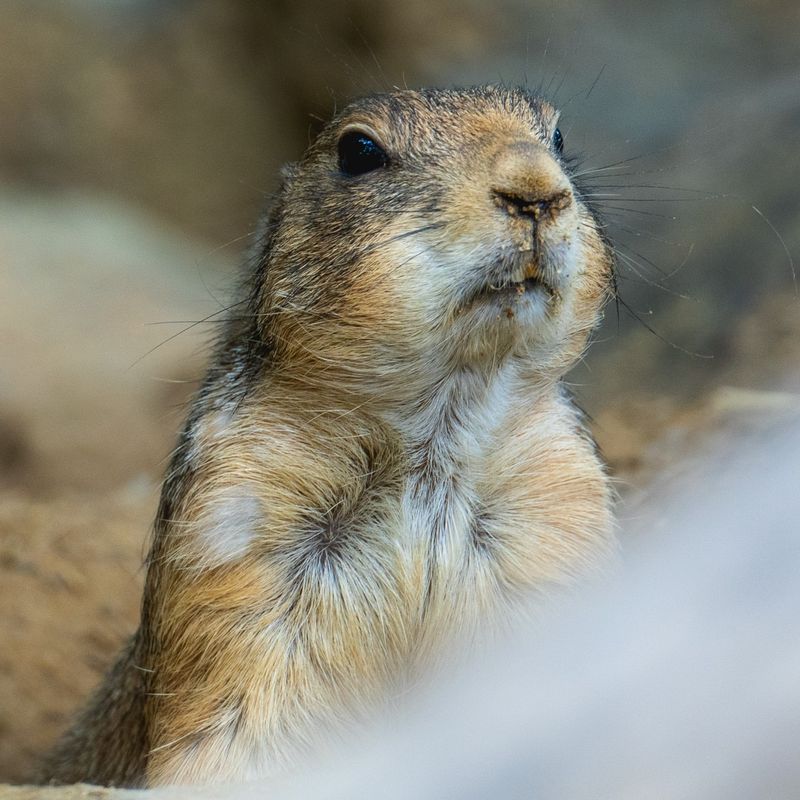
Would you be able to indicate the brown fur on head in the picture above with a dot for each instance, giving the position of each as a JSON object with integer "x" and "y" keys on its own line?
{"x": 389, "y": 279}
{"x": 381, "y": 454}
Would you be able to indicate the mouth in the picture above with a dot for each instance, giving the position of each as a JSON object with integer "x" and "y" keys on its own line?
{"x": 506, "y": 295}
{"x": 512, "y": 289}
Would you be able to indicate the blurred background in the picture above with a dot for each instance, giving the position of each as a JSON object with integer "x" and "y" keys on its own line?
{"x": 139, "y": 142}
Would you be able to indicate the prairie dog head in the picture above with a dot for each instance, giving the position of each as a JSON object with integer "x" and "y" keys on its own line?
{"x": 428, "y": 231}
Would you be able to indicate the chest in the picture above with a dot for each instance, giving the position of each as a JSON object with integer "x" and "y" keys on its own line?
{"x": 482, "y": 520}
{"x": 474, "y": 504}
{"x": 330, "y": 591}
{"x": 497, "y": 507}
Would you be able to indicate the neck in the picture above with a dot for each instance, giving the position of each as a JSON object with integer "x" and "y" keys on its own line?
{"x": 433, "y": 411}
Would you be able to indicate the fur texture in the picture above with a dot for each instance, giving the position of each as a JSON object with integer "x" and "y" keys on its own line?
{"x": 382, "y": 454}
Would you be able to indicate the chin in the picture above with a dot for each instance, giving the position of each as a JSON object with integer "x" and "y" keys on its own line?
{"x": 510, "y": 305}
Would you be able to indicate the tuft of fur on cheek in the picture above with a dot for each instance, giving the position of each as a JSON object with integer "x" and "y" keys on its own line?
{"x": 397, "y": 300}
{"x": 435, "y": 275}
{"x": 594, "y": 280}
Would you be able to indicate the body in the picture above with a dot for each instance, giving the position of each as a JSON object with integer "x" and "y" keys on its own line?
{"x": 382, "y": 455}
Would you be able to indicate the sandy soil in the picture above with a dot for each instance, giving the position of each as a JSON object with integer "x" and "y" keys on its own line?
{"x": 83, "y": 436}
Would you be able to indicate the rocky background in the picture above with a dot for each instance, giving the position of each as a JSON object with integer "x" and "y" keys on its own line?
{"x": 140, "y": 140}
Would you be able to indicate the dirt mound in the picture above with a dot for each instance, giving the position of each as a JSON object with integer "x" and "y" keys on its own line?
{"x": 83, "y": 437}
{"x": 69, "y": 589}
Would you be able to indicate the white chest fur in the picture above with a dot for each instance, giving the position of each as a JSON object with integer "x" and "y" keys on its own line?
{"x": 444, "y": 510}
{"x": 329, "y": 597}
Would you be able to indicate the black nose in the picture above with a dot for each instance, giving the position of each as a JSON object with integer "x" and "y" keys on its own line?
{"x": 530, "y": 205}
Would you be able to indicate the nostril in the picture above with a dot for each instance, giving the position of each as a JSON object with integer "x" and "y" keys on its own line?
{"x": 519, "y": 205}
{"x": 527, "y": 205}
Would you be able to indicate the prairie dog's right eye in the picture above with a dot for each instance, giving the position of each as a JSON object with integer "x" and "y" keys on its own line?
{"x": 360, "y": 153}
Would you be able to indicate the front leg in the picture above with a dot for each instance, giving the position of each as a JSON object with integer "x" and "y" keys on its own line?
{"x": 272, "y": 613}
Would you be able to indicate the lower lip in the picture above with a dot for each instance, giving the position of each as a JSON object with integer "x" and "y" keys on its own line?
{"x": 515, "y": 289}
{"x": 511, "y": 293}
{"x": 508, "y": 301}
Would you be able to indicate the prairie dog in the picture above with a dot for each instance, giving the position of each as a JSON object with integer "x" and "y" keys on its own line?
{"x": 382, "y": 453}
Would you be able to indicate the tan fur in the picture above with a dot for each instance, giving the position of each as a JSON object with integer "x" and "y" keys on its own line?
{"x": 382, "y": 456}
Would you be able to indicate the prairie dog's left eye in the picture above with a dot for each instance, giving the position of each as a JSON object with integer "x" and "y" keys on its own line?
{"x": 558, "y": 141}
{"x": 360, "y": 153}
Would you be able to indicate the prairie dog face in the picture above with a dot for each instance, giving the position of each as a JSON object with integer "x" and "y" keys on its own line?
{"x": 429, "y": 230}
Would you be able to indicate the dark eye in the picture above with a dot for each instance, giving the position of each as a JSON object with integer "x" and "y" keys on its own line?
{"x": 359, "y": 153}
{"x": 558, "y": 141}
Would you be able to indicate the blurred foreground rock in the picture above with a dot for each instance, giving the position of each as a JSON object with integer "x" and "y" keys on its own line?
{"x": 651, "y": 439}
{"x": 79, "y": 792}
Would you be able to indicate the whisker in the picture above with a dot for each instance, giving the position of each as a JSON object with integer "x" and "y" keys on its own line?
{"x": 187, "y": 328}
{"x": 609, "y": 209}
{"x": 632, "y": 264}
{"x": 655, "y": 333}
{"x": 783, "y": 244}
{"x": 641, "y": 232}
